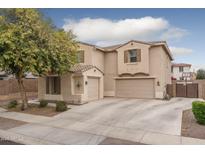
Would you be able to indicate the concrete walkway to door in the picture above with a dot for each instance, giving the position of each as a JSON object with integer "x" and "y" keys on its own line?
{"x": 139, "y": 120}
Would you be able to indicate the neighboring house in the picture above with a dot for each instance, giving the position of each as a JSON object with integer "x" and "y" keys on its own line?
{"x": 4, "y": 76}
{"x": 182, "y": 71}
{"x": 132, "y": 70}
{"x": 30, "y": 76}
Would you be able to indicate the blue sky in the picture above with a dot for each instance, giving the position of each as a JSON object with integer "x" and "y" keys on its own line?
{"x": 183, "y": 29}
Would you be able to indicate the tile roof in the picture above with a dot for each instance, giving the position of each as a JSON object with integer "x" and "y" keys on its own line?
{"x": 113, "y": 47}
{"x": 180, "y": 64}
{"x": 80, "y": 68}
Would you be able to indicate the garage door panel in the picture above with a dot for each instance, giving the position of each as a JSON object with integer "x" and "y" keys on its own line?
{"x": 93, "y": 88}
{"x": 135, "y": 88}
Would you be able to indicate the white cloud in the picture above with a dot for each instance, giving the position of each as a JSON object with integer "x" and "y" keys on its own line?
{"x": 174, "y": 33}
{"x": 178, "y": 51}
{"x": 104, "y": 32}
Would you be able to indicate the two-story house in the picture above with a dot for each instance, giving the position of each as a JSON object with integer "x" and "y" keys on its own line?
{"x": 132, "y": 70}
{"x": 181, "y": 71}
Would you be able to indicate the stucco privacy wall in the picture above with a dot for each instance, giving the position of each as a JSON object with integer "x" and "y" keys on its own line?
{"x": 160, "y": 67}
{"x": 110, "y": 73}
{"x": 201, "y": 88}
{"x": 132, "y": 68}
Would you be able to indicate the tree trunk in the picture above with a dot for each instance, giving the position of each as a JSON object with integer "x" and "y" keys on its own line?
{"x": 23, "y": 94}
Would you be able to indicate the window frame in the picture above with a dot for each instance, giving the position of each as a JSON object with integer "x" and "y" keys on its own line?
{"x": 181, "y": 69}
{"x": 132, "y": 54}
{"x": 78, "y": 56}
{"x": 53, "y": 85}
{"x": 128, "y": 57}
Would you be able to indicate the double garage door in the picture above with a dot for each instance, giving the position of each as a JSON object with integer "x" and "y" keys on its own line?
{"x": 135, "y": 88}
{"x": 93, "y": 88}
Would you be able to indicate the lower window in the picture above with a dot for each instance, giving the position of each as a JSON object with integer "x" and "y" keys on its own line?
{"x": 53, "y": 85}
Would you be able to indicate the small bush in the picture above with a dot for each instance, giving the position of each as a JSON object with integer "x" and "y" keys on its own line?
{"x": 198, "y": 109}
{"x": 43, "y": 103}
{"x": 12, "y": 104}
{"x": 61, "y": 106}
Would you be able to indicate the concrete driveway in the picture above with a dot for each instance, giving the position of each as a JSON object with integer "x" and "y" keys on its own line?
{"x": 140, "y": 120}
{"x": 143, "y": 114}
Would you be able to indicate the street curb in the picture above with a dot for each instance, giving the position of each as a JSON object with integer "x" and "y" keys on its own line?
{"x": 22, "y": 139}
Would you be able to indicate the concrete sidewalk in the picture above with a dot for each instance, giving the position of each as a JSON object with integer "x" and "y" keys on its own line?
{"x": 36, "y": 134}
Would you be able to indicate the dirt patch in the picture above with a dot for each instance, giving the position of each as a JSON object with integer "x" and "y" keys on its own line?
{"x": 116, "y": 141}
{"x": 190, "y": 128}
{"x": 6, "y": 123}
{"x": 34, "y": 109}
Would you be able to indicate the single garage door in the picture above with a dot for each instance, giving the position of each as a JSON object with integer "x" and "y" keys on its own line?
{"x": 135, "y": 88}
{"x": 93, "y": 88}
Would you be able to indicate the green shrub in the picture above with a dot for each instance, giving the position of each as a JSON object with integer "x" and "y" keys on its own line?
{"x": 43, "y": 103}
{"x": 12, "y": 104}
{"x": 198, "y": 109}
{"x": 61, "y": 106}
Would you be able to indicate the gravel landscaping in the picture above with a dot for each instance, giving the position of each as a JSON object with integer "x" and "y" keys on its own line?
{"x": 190, "y": 128}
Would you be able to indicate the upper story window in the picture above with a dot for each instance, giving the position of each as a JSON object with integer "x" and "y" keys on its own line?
{"x": 132, "y": 56}
{"x": 172, "y": 69}
{"x": 181, "y": 69}
{"x": 80, "y": 56}
{"x": 53, "y": 85}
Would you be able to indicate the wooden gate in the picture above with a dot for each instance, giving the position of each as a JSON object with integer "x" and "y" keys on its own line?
{"x": 189, "y": 90}
{"x": 192, "y": 90}
{"x": 180, "y": 90}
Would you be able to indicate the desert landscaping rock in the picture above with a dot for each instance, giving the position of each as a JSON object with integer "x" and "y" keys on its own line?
{"x": 190, "y": 128}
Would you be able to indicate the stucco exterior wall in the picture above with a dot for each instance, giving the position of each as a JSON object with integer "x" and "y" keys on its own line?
{"x": 98, "y": 59}
{"x": 132, "y": 68}
{"x": 87, "y": 53}
{"x": 109, "y": 73}
{"x": 160, "y": 67}
{"x": 92, "y": 56}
